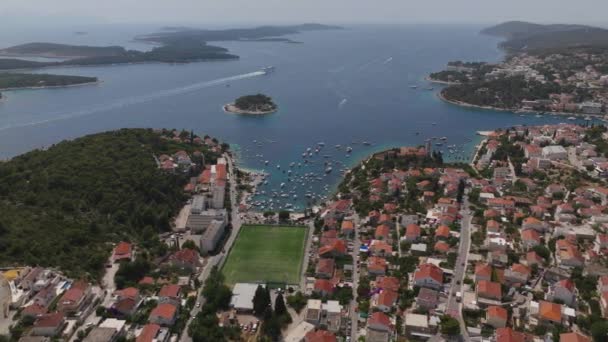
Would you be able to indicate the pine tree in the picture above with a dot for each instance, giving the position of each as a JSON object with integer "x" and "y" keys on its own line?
{"x": 261, "y": 300}
{"x": 279, "y": 306}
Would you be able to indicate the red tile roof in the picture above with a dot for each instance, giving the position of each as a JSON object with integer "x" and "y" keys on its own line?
{"x": 380, "y": 318}
{"x": 186, "y": 255}
{"x": 550, "y": 311}
{"x": 122, "y": 250}
{"x": 34, "y": 310}
{"x": 376, "y": 263}
{"x": 442, "y": 231}
{"x": 483, "y": 270}
{"x": 51, "y": 320}
{"x": 510, "y": 335}
{"x": 319, "y": 336}
{"x": 574, "y": 337}
{"x": 429, "y": 271}
{"x": 324, "y": 285}
{"x": 412, "y": 230}
{"x": 164, "y": 310}
{"x": 148, "y": 333}
{"x": 325, "y": 266}
{"x": 171, "y": 291}
{"x": 387, "y": 298}
{"x": 489, "y": 289}
{"x": 497, "y": 311}
{"x": 129, "y": 292}
{"x": 387, "y": 283}
{"x": 441, "y": 246}
{"x": 382, "y": 231}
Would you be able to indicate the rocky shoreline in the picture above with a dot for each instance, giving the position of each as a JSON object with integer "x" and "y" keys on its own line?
{"x": 231, "y": 108}
{"x": 514, "y": 111}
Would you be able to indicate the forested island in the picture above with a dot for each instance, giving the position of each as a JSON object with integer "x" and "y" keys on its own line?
{"x": 177, "y": 45}
{"x": 63, "y": 206}
{"x": 556, "y": 68}
{"x": 181, "y": 45}
{"x": 20, "y": 80}
{"x": 258, "y": 104}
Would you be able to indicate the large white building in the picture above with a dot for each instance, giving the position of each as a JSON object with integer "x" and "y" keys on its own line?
{"x": 555, "y": 152}
{"x": 212, "y": 236}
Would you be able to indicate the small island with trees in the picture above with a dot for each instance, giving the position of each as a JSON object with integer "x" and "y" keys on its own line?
{"x": 258, "y": 104}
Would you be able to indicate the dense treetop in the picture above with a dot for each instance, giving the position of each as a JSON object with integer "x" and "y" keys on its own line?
{"x": 63, "y": 206}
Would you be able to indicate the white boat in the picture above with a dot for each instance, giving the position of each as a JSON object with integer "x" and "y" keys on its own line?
{"x": 572, "y": 118}
{"x": 268, "y": 70}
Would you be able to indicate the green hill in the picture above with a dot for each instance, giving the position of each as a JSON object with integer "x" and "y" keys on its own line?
{"x": 62, "y": 50}
{"x": 529, "y": 37}
{"x": 62, "y": 206}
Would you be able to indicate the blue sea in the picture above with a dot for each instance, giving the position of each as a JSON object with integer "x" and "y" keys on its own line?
{"x": 341, "y": 87}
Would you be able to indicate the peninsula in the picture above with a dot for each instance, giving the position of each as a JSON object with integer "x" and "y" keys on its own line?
{"x": 561, "y": 69}
{"x": 258, "y": 104}
{"x": 11, "y": 81}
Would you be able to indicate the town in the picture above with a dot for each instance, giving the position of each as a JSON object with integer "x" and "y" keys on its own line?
{"x": 512, "y": 247}
{"x": 565, "y": 82}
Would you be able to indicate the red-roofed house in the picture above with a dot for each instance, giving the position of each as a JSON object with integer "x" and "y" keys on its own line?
{"x": 488, "y": 290}
{"x": 49, "y": 325}
{"x": 483, "y": 272}
{"x": 442, "y": 232}
{"x": 170, "y": 293}
{"x": 186, "y": 259}
{"x": 33, "y": 311}
{"x": 348, "y": 227}
{"x": 518, "y": 273}
{"x": 324, "y": 287}
{"x": 412, "y": 232}
{"x": 387, "y": 283}
{"x": 385, "y": 300}
{"x": 428, "y": 275}
{"x": 163, "y": 314}
{"x": 441, "y": 247}
{"x": 564, "y": 290}
{"x": 335, "y": 249}
{"x": 380, "y": 248}
{"x": 325, "y": 268}
{"x": 122, "y": 251}
{"x": 74, "y": 298}
{"x": 510, "y": 335}
{"x": 319, "y": 336}
{"x": 379, "y": 321}
{"x": 530, "y": 238}
{"x": 550, "y": 312}
{"x": 533, "y": 223}
{"x": 376, "y": 266}
{"x": 496, "y": 316}
{"x": 532, "y": 258}
{"x": 383, "y": 232}
{"x": 148, "y": 333}
{"x": 574, "y": 337}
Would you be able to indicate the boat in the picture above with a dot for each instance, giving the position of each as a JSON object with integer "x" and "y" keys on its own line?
{"x": 328, "y": 170}
{"x": 414, "y": 86}
{"x": 366, "y": 143}
{"x": 349, "y": 149}
{"x": 268, "y": 70}
{"x": 571, "y": 118}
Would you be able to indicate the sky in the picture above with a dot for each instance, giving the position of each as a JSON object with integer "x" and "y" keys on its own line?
{"x": 218, "y": 12}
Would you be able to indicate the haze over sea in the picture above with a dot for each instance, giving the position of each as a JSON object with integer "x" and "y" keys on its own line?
{"x": 338, "y": 87}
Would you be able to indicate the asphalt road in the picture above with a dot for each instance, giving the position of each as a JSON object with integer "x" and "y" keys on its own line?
{"x": 454, "y": 308}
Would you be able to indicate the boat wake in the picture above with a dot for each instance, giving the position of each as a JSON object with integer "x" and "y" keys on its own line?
{"x": 342, "y": 103}
{"x": 388, "y": 60}
{"x": 126, "y": 102}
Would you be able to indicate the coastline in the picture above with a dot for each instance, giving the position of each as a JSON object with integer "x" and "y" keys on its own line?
{"x": 231, "y": 108}
{"x": 514, "y": 111}
{"x": 51, "y": 87}
{"x": 432, "y": 80}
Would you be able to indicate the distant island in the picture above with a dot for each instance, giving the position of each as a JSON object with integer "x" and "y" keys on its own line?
{"x": 9, "y": 81}
{"x": 562, "y": 69}
{"x": 177, "y": 45}
{"x": 258, "y": 104}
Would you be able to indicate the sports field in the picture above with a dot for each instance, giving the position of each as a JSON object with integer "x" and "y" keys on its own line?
{"x": 266, "y": 254}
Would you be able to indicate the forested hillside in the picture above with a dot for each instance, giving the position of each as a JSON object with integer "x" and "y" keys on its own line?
{"x": 65, "y": 205}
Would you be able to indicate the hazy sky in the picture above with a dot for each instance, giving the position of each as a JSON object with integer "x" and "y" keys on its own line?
{"x": 323, "y": 11}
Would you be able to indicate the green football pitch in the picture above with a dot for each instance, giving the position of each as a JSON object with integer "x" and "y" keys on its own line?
{"x": 266, "y": 254}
